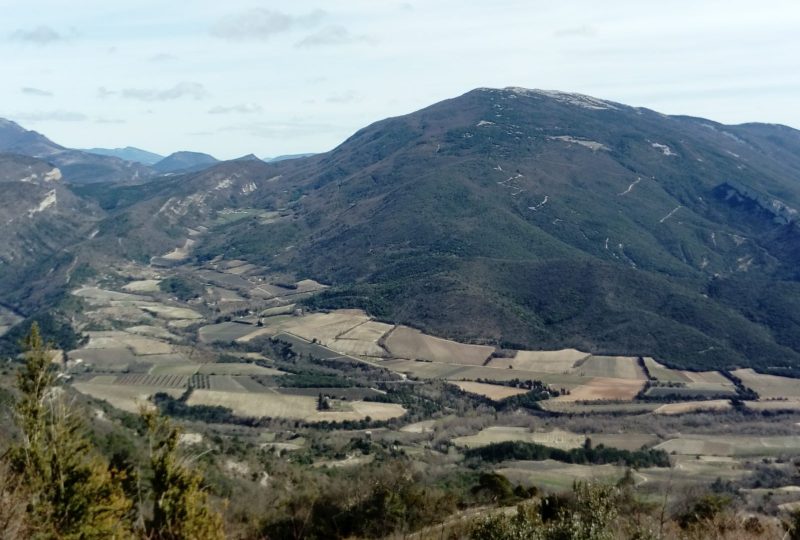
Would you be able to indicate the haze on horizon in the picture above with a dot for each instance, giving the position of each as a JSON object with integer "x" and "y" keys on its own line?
{"x": 270, "y": 78}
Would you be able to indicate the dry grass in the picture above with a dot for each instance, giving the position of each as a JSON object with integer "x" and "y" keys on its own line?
{"x": 776, "y": 405}
{"x": 144, "y": 285}
{"x": 662, "y": 373}
{"x": 769, "y": 386}
{"x": 555, "y": 438}
{"x": 225, "y": 383}
{"x": 326, "y": 326}
{"x": 139, "y": 345}
{"x": 603, "y": 388}
{"x": 561, "y": 361}
{"x": 558, "y": 477}
{"x": 171, "y": 312}
{"x": 152, "y": 331}
{"x": 494, "y": 392}
{"x": 127, "y": 398}
{"x": 425, "y": 426}
{"x": 599, "y": 408}
{"x": 613, "y": 367}
{"x": 369, "y": 331}
{"x": 226, "y": 331}
{"x": 96, "y": 295}
{"x": 356, "y": 347}
{"x": 361, "y": 340}
{"x": 458, "y": 372}
{"x": 730, "y": 445}
{"x": 238, "y": 369}
{"x": 694, "y": 406}
{"x": 292, "y": 407}
{"x": 180, "y": 253}
{"x": 497, "y": 434}
{"x": 707, "y": 378}
{"x": 404, "y": 342}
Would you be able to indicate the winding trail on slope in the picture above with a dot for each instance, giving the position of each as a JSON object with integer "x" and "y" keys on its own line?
{"x": 630, "y": 187}
{"x": 665, "y": 218}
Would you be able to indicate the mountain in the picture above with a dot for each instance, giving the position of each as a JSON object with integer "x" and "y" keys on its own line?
{"x": 15, "y": 138}
{"x": 523, "y": 218}
{"x": 288, "y": 156}
{"x": 129, "y": 153}
{"x": 76, "y": 166}
{"x": 248, "y": 157}
{"x": 41, "y": 219}
{"x": 548, "y": 219}
{"x": 184, "y": 162}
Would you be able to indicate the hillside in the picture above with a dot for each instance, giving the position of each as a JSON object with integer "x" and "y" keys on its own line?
{"x": 129, "y": 153}
{"x": 76, "y": 166}
{"x": 184, "y": 162}
{"x": 41, "y": 219}
{"x": 547, "y": 219}
{"x": 514, "y": 217}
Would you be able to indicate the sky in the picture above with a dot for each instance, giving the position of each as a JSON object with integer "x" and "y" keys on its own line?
{"x": 237, "y": 77}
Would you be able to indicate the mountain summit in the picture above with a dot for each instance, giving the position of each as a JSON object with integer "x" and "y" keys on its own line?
{"x": 523, "y": 218}
{"x": 551, "y": 219}
{"x": 77, "y": 166}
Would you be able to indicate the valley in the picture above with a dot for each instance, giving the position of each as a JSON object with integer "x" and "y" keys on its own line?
{"x": 546, "y": 286}
{"x": 226, "y": 344}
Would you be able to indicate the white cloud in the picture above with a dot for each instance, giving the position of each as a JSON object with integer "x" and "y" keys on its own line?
{"x": 243, "y": 108}
{"x": 38, "y": 92}
{"x": 40, "y": 35}
{"x": 192, "y": 90}
{"x": 51, "y": 116}
{"x": 262, "y": 24}
{"x": 584, "y": 31}
{"x": 344, "y": 97}
{"x": 332, "y": 35}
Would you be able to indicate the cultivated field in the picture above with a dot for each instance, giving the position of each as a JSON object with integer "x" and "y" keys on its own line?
{"x": 458, "y": 372}
{"x": 325, "y": 327}
{"x": 152, "y": 331}
{"x": 226, "y": 332}
{"x": 664, "y": 374}
{"x": 127, "y": 398}
{"x": 611, "y": 367}
{"x": 562, "y": 361}
{"x": 715, "y": 445}
{"x": 599, "y": 408}
{"x": 277, "y": 405}
{"x": 603, "y": 388}
{"x": 362, "y": 340}
{"x": 404, "y": 342}
{"x": 144, "y": 285}
{"x": 495, "y": 434}
{"x": 225, "y": 368}
{"x": 557, "y": 477}
{"x": 769, "y": 386}
{"x": 171, "y": 312}
{"x": 494, "y": 392}
{"x": 688, "y": 470}
{"x": 774, "y": 405}
{"x": 139, "y": 345}
{"x": 694, "y": 406}
{"x": 555, "y": 438}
